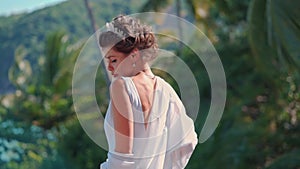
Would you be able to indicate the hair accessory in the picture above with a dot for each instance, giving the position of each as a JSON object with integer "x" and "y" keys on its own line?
{"x": 110, "y": 27}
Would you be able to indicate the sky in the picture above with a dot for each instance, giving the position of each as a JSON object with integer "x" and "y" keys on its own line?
{"x": 8, "y": 7}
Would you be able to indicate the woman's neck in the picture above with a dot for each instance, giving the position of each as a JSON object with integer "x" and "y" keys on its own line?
{"x": 145, "y": 69}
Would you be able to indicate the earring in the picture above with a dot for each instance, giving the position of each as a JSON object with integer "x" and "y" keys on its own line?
{"x": 133, "y": 65}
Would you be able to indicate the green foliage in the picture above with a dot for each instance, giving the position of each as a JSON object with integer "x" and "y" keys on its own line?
{"x": 80, "y": 151}
{"x": 34, "y": 114}
{"x": 18, "y": 145}
{"x": 289, "y": 160}
{"x": 260, "y": 125}
{"x": 274, "y": 35}
{"x": 30, "y": 29}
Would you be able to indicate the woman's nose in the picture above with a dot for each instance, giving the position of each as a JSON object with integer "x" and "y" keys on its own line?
{"x": 110, "y": 67}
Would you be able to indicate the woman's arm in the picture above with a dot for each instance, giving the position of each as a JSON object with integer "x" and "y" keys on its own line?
{"x": 122, "y": 117}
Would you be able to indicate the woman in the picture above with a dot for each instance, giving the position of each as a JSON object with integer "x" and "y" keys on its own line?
{"x": 146, "y": 124}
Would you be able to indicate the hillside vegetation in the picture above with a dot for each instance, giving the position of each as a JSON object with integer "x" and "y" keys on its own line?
{"x": 29, "y": 30}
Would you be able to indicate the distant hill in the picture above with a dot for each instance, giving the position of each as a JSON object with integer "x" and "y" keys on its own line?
{"x": 30, "y": 29}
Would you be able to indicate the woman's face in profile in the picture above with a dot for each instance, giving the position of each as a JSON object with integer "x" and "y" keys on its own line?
{"x": 117, "y": 62}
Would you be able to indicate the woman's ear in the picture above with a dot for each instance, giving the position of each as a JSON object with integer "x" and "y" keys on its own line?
{"x": 135, "y": 54}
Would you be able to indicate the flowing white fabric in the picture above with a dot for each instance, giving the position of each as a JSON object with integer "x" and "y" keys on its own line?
{"x": 169, "y": 139}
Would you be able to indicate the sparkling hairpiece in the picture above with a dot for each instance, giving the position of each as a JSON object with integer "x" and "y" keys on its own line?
{"x": 110, "y": 27}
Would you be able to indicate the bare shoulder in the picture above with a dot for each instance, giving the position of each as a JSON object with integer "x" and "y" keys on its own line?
{"x": 117, "y": 83}
{"x": 117, "y": 86}
{"x": 119, "y": 95}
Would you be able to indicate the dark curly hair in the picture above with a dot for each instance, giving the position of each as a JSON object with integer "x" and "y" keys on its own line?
{"x": 134, "y": 35}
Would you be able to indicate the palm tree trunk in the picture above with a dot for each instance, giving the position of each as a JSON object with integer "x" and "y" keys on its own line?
{"x": 178, "y": 13}
{"x": 90, "y": 15}
{"x": 95, "y": 28}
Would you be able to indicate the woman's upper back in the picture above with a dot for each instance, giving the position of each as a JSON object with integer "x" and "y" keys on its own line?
{"x": 145, "y": 87}
{"x": 149, "y": 127}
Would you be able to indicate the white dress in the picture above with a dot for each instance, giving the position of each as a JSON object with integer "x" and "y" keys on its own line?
{"x": 169, "y": 139}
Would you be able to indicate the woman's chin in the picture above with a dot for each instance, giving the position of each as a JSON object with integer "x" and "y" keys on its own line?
{"x": 114, "y": 74}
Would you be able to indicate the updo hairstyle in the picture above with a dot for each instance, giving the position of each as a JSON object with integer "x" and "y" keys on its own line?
{"x": 126, "y": 33}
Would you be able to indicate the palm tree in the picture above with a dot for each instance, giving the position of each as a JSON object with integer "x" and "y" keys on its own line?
{"x": 55, "y": 86}
{"x": 274, "y": 34}
{"x": 157, "y": 5}
{"x": 191, "y": 6}
{"x": 95, "y": 28}
{"x": 49, "y": 89}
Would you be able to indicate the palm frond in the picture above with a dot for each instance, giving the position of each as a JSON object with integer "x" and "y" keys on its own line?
{"x": 274, "y": 33}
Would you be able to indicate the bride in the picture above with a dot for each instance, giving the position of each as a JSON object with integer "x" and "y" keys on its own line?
{"x": 146, "y": 124}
